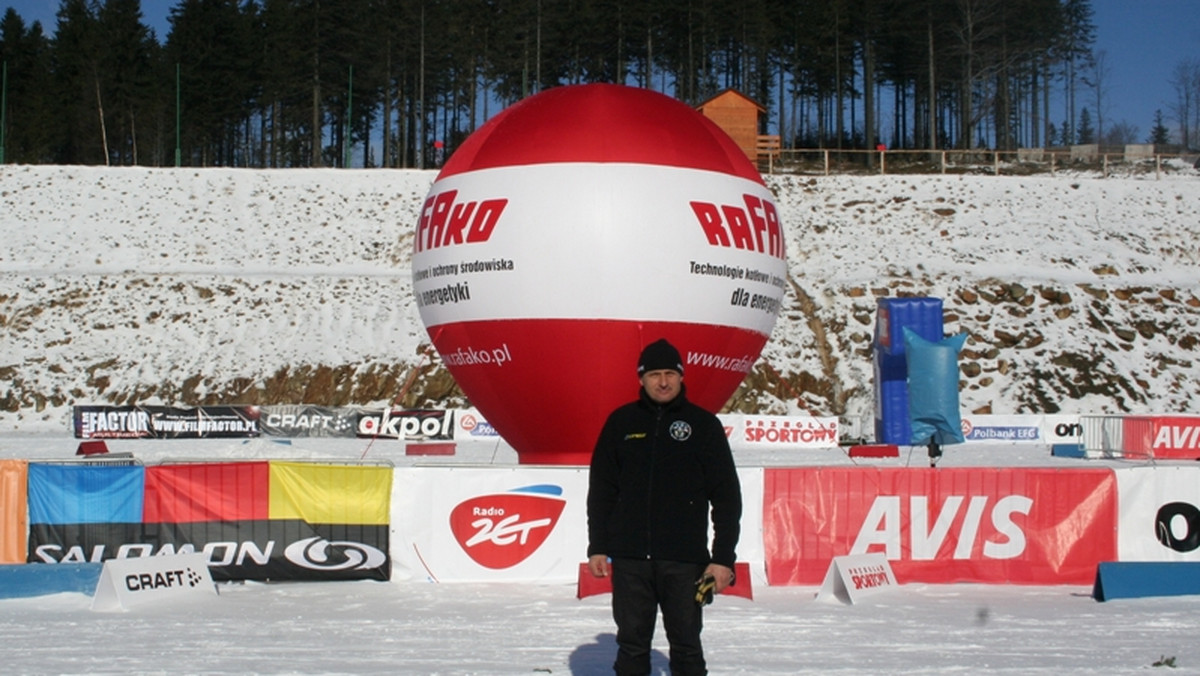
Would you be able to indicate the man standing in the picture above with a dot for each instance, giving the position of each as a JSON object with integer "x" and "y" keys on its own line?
{"x": 658, "y": 466}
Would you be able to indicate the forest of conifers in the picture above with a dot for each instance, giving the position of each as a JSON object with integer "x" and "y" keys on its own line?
{"x": 300, "y": 83}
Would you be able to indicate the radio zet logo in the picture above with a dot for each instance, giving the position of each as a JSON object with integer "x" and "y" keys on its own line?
{"x": 503, "y": 529}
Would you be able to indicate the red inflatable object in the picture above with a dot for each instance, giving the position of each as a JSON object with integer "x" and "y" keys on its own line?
{"x": 574, "y": 228}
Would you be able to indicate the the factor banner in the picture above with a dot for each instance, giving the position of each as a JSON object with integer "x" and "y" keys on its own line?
{"x": 253, "y": 520}
{"x": 165, "y": 422}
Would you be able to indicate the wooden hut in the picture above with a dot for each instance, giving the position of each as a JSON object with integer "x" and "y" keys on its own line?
{"x": 738, "y": 114}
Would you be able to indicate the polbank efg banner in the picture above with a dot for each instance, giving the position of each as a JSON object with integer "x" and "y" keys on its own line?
{"x": 253, "y": 520}
{"x": 165, "y": 422}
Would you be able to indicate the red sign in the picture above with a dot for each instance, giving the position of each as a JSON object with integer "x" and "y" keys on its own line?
{"x": 993, "y": 525}
{"x": 1175, "y": 437}
{"x": 503, "y": 529}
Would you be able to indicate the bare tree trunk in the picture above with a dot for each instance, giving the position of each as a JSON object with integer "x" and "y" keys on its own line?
{"x": 103, "y": 129}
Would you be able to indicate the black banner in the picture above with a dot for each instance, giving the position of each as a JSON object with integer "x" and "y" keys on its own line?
{"x": 165, "y": 422}
{"x": 410, "y": 425}
{"x": 308, "y": 421}
{"x": 273, "y": 549}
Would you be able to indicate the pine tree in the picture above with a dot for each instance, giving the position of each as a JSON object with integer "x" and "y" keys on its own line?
{"x": 1086, "y": 133}
{"x": 1159, "y": 134}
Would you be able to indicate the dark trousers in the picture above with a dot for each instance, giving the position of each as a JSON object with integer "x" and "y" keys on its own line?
{"x": 640, "y": 589}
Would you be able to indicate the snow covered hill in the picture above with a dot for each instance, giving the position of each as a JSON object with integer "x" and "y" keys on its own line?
{"x": 1080, "y": 294}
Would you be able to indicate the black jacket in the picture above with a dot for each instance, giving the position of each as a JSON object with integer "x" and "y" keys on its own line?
{"x": 655, "y": 471}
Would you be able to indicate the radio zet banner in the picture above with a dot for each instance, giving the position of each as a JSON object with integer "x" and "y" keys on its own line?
{"x": 410, "y": 425}
{"x": 466, "y": 524}
{"x": 987, "y": 525}
{"x": 165, "y": 422}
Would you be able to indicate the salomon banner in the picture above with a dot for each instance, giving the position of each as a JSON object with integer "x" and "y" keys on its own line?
{"x": 307, "y": 421}
{"x": 1160, "y": 513}
{"x": 253, "y": 520}
{"x": 410, "y": 425}
{"x": 165, "y": 422}
{"x": 989, "y": 525}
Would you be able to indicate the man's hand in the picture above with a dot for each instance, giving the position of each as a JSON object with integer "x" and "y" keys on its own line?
{"x": 598, "y": 565}
{"x": 721, "y": 575}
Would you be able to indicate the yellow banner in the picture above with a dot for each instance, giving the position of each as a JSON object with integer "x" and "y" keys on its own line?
{"x": 14, "y": 516}
{"x": 341, "y": 494}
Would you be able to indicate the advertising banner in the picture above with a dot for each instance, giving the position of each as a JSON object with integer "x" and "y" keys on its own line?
{"x": 308, "y": 421}
{"x": 1005, "y": 429}
{"x": 409, "y": 425}
{"x": 1004, "y": 525}
{"x": 165, "y": 422}
{"x": 1174, "y": 437}
{"x": 782, "y": 432}
{"x": 490, "y": 524}
{"x": 253, "y": 520}
{"x": 470, "y": 424}
{"x": 1160, "y": 513}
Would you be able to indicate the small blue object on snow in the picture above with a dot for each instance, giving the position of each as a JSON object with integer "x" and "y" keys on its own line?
{"x": 933, "y": 389}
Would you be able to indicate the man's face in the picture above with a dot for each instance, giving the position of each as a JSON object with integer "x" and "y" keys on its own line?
{"x": 662, "y": 385}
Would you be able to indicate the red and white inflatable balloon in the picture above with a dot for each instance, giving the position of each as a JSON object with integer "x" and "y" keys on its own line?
{"x": 574, "y": 228}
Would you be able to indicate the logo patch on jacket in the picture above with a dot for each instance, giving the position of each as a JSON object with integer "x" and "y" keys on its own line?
{"x": 680, "y": 430}
{"x": 635, "y": 435}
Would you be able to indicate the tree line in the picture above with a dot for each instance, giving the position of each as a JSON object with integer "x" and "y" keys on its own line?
{"x": 400, "y": 83}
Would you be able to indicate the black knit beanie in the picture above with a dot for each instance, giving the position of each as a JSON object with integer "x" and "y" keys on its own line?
{"x": 660, "y": 355}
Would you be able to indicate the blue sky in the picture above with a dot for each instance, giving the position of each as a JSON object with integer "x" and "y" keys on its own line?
{"x": 1144, "y": 40}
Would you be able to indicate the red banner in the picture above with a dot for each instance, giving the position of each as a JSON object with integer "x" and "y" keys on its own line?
{"x": 234, "y": 491}
{"x": 988, "y": 525}
{"x": 1174, "y": 437}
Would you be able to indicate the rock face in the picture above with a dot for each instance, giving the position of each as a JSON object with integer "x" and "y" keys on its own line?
{"x": 1078, "y": 294}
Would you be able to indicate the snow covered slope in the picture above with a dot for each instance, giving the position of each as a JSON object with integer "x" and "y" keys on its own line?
{"x": 1080, "y": 294}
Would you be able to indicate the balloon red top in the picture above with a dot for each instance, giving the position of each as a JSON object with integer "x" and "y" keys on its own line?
{"x": 600, "y": 123}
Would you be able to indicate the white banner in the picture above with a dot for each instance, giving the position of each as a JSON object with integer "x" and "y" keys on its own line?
{"x": 483, "y": 524}
{"x": 125, "y": 583}
{"x": 782, "y": 432}
{"x": 1159, "y": 513}
{"x": 1005, "y": 429}
{"x": 513, "y": 524}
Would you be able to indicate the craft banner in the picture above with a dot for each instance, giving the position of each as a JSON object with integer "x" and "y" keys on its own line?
{"x": 988, "y": 525}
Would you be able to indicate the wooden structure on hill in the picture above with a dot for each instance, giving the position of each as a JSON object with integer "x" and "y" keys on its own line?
{"x": 738, "y": 115}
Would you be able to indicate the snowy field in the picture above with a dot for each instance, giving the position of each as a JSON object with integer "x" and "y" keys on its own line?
{"x": 419, "y": 628}
{"x": 416, "y": 627}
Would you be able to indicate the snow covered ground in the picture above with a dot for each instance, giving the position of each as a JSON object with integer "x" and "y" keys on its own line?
{"x": 418, "y": 627}
{"x": 114, "y": 288}
{"x": 422, "y": 628}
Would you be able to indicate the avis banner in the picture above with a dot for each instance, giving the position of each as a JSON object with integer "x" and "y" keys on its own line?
{"x": 987, "y": 525}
